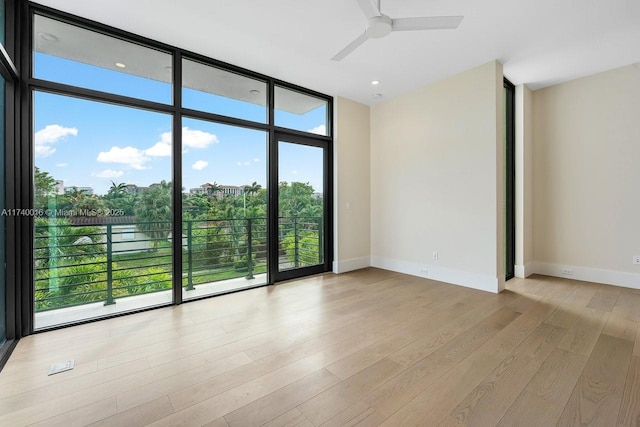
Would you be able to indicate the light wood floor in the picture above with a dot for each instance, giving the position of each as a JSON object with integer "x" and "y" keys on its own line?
{"x": 364, "y": 348}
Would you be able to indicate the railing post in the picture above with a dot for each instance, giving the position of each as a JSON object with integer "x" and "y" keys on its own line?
{"x": 296, "y": 255}
{"x": 320, "y": 241}
{"x": 190, "y": 256}
{"x": 249, "y": 250}
{"x": 109, "y": 300}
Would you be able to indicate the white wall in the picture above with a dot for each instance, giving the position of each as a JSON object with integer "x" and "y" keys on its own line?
{"x": 436, "y": 180}
{"x": 586, "y": 194}
{"x": 524, "y": 181}
{"x": 352, "y": 188}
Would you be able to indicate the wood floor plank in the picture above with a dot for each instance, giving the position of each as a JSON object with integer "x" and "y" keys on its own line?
{"x": 620, "y": 326}
{"x": 584, "y": 333}
{"x": 490, "y": 400}
{"x": 556, "y": 378}
{"x": 531, "y": 411}
{"x": 139, "y": 416}
{"x": 356, "y": 415}
{"x": 629, "y": 415}
{"x": 281, "y": 401}
{"x": 366, "y": 348}
{"x": 605, "y": 298}
{"x": 292, "y": 418}
{"x": 598, "y": 394}
{"x": 82, "y": 416}
{"x": 329, "y": 403}
{"x": 391, "y": 396}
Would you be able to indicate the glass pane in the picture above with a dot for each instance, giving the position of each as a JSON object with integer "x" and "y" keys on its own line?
{"x": 2, "y": 23}
{"x": 224, "y": 208}
{"x": 300, "y": 206}
{"x": 298, "y": 111}
{"x": 3, "y": 302}
{"x": 72, "y": 55}
{"x": 217, "y": 91}
{"x": 101, "y": 171}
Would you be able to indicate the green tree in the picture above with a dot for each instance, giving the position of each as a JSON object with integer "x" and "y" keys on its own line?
{"x": 153, "y": 212}
{"x": 45, "y": 187}
{"x": 118, "y": 198}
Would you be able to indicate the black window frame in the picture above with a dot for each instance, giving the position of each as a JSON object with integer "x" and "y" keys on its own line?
{"x": 24, "y": 170}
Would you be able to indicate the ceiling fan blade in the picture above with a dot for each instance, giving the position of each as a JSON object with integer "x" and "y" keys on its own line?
{"x": 426, "y": 23}
{"x": 370, "y": 8}
{"x": 350, "y": 47}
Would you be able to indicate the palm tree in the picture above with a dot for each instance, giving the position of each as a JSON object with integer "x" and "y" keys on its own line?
{"x": 153, "y": 213}
{"x": 117, "y": 190}
{"x": 253, "y": 188}
{"x": 214, "y": 189}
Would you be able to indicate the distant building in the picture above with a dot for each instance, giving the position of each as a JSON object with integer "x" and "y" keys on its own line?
{"x": 221, "y": 191}
{"x": 59, "y": 186}
{"x": 134, "y": 189}
{"x": 73, "y": 189}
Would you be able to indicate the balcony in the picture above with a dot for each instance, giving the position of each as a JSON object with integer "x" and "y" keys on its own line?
{"x": 96, "y": 267}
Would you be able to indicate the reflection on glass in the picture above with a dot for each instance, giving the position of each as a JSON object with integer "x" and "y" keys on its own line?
{"x": 300, "y": 206}
{"x": 298, "y": 111}
{"x": 224, "y": 208}
{"x": 217, "y": 91}
{"x": 68, "y": 54}
{"x": 3, "y": 302}
{"x": 103, "y": 206}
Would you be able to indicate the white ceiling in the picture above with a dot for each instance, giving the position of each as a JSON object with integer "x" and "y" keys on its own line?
{"x": 540, "y": 42}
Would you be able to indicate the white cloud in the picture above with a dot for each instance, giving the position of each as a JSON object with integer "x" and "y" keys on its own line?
{"x": 62, "y": 165}
{"x": 197, "y": 138}
{"x": 199, "y": 165}
{"x": 128, "y": 155}
{"x": 190, "y": 138}
{"x": 161, "y": 149}
{"x": 44, "y": 150}
{"x": 244, "y": 163}
{"x": 256, "y": 160}
{"x": 108, "y": 173}
{"x": 294, "y": 172}
{"x": 319, "y": 130}
{"x": 49, "y": 135}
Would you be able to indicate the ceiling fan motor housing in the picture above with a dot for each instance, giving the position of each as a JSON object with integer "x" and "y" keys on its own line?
{"x": 379, "y": 26}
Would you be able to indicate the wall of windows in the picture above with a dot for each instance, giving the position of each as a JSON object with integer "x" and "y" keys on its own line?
{"x": 156, "y": 174}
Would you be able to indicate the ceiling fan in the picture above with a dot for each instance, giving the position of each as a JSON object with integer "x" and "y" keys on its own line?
{"x": 380, "y": 25}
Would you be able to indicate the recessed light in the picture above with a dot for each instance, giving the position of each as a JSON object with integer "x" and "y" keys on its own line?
{"x": 254, "y": 92}
{"x": 377, "y": 95}
{"x": 375, "y": 82}
{"x": 120, "y": 65}
{"x": 48, "y": 37}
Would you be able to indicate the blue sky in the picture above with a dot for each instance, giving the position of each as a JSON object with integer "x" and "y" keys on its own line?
{"x": 90, "y": 144}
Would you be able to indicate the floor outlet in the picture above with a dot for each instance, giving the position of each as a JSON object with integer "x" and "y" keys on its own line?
{"x": 567, "y": 271}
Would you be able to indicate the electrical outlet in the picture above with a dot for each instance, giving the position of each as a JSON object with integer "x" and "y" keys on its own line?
{"x": 424, "y": 271}
{"x": 435, "y": 255}
{"x": 567, "y": 271}
{"x": 636, "y": 259}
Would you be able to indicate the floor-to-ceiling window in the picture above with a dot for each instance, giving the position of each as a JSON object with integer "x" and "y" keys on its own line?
{"x": 160, "y": 175}
{"x": 509, "y": 178}
{"x": 9, "y": 76}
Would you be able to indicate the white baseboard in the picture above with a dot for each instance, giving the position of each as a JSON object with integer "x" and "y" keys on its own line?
{"x": 522, "y": 271}
{"x": 351, "y": 264}
{"x": 457, "y": 277}
{"x": 587, "y": 274}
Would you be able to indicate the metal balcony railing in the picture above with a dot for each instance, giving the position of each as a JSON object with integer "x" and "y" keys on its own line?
{"x": 104, "y": 261}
